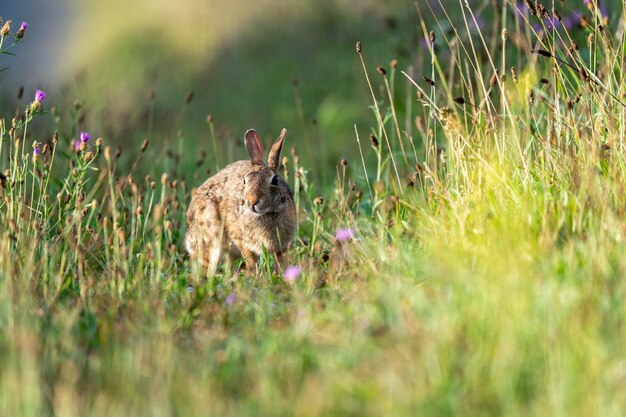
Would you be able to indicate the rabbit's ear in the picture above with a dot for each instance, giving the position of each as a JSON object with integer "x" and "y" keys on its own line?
{"x": 273, "y": 159}
{"x": 255, "y": 148}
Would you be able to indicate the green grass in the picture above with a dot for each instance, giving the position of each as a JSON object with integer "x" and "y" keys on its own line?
{"x": 488, "y": 281}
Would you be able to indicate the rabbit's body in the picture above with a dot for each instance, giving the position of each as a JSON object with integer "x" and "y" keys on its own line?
{"x": 245, "y": 208}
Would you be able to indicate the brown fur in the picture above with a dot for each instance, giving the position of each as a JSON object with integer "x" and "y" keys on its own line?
{"x": 222, "y": 210}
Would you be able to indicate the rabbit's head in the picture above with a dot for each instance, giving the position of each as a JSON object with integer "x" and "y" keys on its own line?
{"x": 264, "y": 191}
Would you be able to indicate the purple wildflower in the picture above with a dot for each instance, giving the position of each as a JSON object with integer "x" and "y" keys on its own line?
{"x": 36, "y": 152}
{"x": 343, "y": 234}
{"x": 84, "y": 137}
{"x": 24, "y": 26}
{"x": 231, "y": 299}
{"x": 190, "y": 289}
{"x": 40, "y": 95}
{"x": 292, "y": 272}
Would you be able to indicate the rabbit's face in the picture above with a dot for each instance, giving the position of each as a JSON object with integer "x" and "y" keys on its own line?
{"x": 264, "y": 191}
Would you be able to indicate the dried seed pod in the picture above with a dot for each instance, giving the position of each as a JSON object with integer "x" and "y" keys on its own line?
{"x": 429, "y": 81}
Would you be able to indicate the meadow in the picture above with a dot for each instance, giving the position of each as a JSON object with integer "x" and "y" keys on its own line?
{"x": 461, "y": 228}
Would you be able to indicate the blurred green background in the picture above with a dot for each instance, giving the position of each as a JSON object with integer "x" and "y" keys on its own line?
{"x": 266, "y": 64}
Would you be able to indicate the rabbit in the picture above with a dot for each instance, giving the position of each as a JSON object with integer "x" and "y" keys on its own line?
{"x": 243, "y": 209}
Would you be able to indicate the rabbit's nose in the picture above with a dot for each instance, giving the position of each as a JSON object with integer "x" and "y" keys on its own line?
{"x": 252, "y": 199}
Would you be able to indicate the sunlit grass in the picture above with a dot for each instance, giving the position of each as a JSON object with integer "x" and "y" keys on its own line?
{"x": 466, "y": 259}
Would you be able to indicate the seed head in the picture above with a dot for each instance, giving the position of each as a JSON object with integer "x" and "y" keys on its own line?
{"x": 542, "y": 12}
{"x": 584, "y": 22}
{"x": 6, "y": 29}
{"x": 318, "y": 201}
{"x": 531, "y": 7}
{"x": 504, "y": 34}
{"x": 431, "y": 36}
{"x": 393, "y": 63}
{"x": 359, "y": 47}
{"x": 374, "y": 141}
{"x": 99, "y": 142}
{"x": 459, "y": 100}
{"x": 88, "y": 156}
{"x": 344, "y": 162}
{"x": 144, "y": 145}
{"x": 514, "y": 75}
{"x": 189, "y": 97}
{"x": 381, "y": 70}
{"x": 429, "y": 81}
{"x": 209, "y": 119}
{"x": 107, "y": 153}
{"x": 493, "y": 79}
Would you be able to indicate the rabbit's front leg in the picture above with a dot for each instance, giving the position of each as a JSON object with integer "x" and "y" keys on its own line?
{"x": 251, "y": 259}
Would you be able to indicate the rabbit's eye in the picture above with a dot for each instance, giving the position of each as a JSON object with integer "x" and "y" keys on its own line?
{"x": 274, "y": 180}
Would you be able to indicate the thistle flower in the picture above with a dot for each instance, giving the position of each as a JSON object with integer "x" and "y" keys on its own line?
{"x": 21, "y": 31}
{"x": 343, "y": 234}
{"x": 292, "y": 272}
{"x": 231, "y": 299}
{"x": 81, "y": 144}
{"x": 40, "y": 95}
{"x": 36, "y": 151}
{"x": 36, "y": 104}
